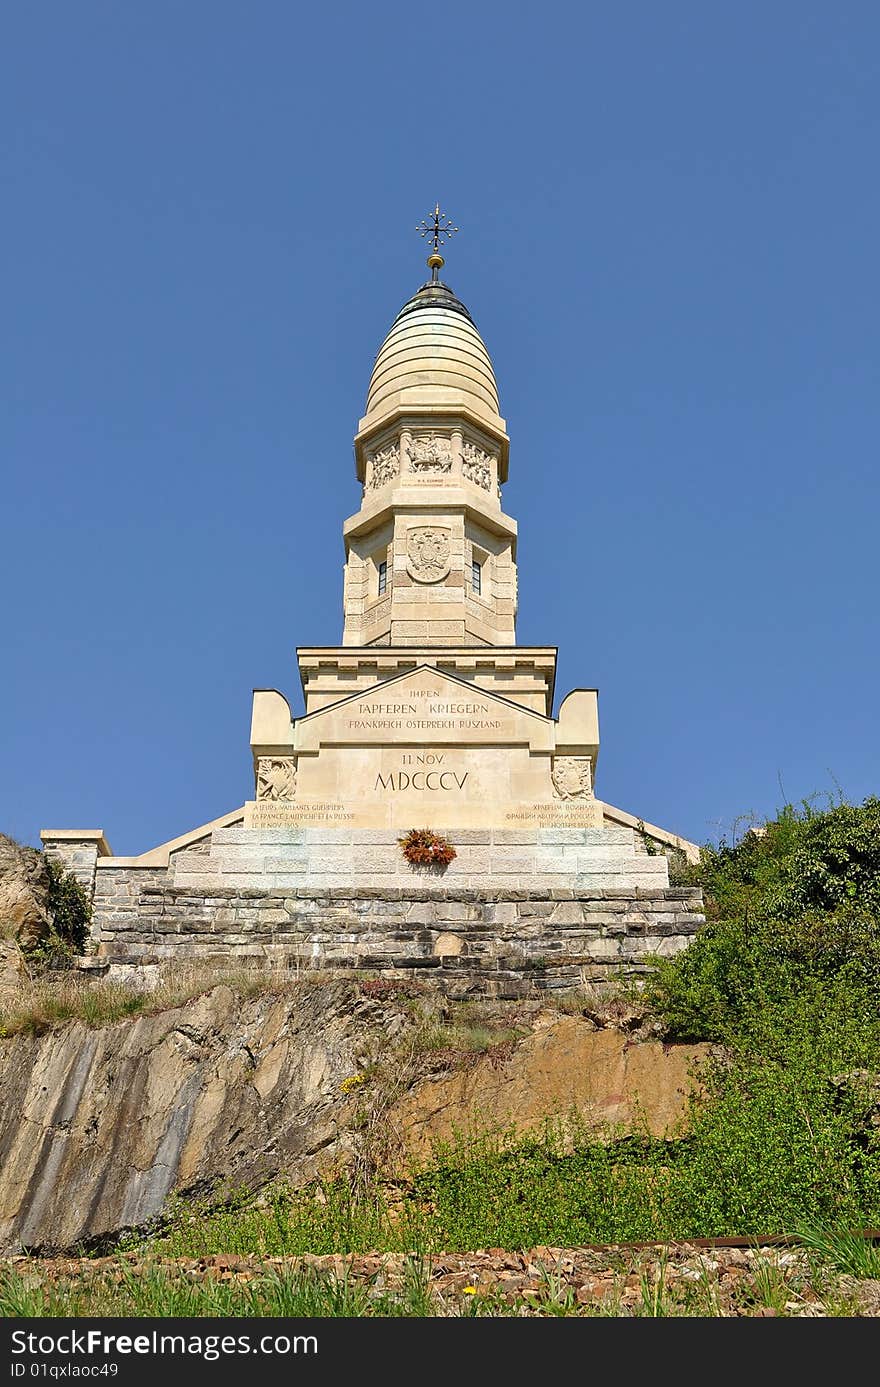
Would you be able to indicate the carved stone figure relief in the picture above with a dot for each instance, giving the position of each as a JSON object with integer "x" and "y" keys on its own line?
{"x": 428, "y": 551}
{"x": 476, "y": 466}
{"x": 572, "y": 777}
{"x": 383, "y": 466}
{"x": 276, "y": 777}
{"x": 429, "y": 454}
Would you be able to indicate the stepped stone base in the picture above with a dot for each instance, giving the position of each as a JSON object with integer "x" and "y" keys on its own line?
{"x": 516, "y": 911}
{"x": 502, "y": 937}
{"x": 515, "y": 859}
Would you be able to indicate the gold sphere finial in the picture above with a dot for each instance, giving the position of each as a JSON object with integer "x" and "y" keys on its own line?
{"x": 440, "y": 229}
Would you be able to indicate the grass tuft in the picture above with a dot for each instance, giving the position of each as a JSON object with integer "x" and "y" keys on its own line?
{"x": 47, "y": 1002}
{"x": 845, "y": 1251}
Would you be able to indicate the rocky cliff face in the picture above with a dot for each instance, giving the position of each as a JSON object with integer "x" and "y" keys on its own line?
{"x": 24, "y": 908}
{"x": 24, "y": 893}
{"x": 99, "y": 1127}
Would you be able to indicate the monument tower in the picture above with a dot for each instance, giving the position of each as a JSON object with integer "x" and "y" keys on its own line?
{"x": 429, "y": 711}
{"x": 427, "y": 714}
{"x": 436, "y": 710}
{"x": 431, "y": 556}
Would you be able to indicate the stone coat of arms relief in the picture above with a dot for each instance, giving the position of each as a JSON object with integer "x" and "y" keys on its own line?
{"x": 572, "y": 777}
{"x": 276, "y": 777}
{"x": 428, "y": 553}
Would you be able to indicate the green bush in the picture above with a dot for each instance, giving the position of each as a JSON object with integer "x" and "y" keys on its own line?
{"x": 736, "y": 969}
{"x": 69, "y": 908}
{"x": 804, "y": 859}
{"x": 796, "y": 903}
{"x": 70, "y": 916}
{"x": 777, "y": 1136}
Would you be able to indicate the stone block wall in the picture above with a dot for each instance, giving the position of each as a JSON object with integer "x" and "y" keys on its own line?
{"x": 502, "y": 943}
{"x": 77, "y": 853}
{"x": 516, "y": 911}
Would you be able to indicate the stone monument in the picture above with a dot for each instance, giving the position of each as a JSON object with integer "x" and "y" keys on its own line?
{"x": 427, "y": 714}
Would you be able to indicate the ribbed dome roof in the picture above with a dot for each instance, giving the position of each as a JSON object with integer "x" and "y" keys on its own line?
{"x": 433, "y": 356}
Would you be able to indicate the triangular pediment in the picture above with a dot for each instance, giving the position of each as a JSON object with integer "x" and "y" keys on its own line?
{"x": 430, "y": 682}
{"x": 422, "y": 706}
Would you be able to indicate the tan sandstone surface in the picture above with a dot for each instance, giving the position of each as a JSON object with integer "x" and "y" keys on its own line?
{"x": 565, "y": 1066}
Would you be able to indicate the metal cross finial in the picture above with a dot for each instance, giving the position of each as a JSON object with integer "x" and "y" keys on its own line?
{"x": 439, "y": 227}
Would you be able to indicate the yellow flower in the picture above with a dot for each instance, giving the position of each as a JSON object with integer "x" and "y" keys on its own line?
{"x": 469, "y": 1290}
{"x": 351, "y": 1082}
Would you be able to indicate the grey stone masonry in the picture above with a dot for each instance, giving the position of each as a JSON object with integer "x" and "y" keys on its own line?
{"x": 484, "y": 941}
{"x": 78, "y": 854}
{"x": 515, "y": 910}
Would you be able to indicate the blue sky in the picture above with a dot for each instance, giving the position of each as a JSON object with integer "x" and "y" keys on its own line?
{"x": 669, "y": 242}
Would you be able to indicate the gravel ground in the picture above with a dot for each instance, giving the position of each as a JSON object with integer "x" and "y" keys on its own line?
{"x": 683, "y": 1279}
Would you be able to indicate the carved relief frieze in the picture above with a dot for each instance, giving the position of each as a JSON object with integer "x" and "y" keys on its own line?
{"x": 476, "y": 466}
{"x": 572, "y": 777}
{"x": 276, "y": 777}
{"x": 383, "y": 465}
{"x": 428, "y": 553}
{"x": 429, "y": 455}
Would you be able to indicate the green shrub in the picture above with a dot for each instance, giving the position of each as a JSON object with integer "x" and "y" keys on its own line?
{"x": 737, "y": 968}
{"x": 775, "y": 1140}
{"x": 70, "y": 916}
{"x": 796, "y": 903}
{"x": 804, "y": 859}
{"x": 69, "y": 908}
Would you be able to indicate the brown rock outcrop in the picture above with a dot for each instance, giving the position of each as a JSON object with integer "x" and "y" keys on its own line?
{"x": 24, "y": 893}
{"x": 565, "y": 1066}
